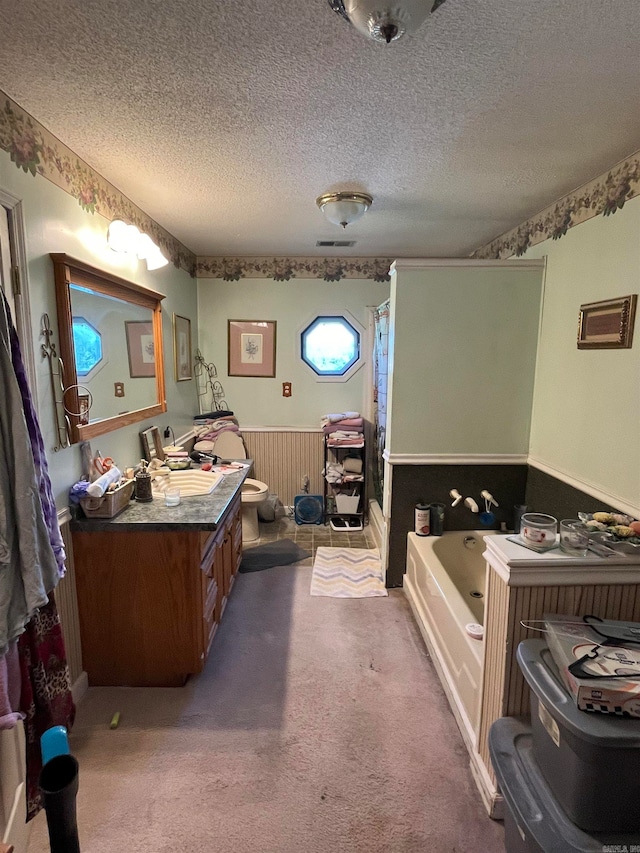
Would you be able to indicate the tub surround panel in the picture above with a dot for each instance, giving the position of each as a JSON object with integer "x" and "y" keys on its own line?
{"x": 546, "y": 493}
{"x": 412, "y": 484}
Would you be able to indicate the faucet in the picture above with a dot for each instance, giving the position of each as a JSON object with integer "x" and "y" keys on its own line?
{"x": 489, "y": 498}
{"x": 471, "y": 504}
{"x": 457, "y": 497}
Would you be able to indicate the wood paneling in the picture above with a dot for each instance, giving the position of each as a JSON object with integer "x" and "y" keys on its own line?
{"x": 283, "y": 459}
{"x": 505, "y": 691}
{"x": 67, "y": 604}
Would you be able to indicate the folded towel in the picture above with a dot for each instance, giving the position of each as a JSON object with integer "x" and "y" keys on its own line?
{"x": 342, "y": 427}
{"x": 338, "y": 416}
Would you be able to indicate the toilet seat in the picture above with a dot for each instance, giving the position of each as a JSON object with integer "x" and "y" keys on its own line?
{"x": 229, "y": 445}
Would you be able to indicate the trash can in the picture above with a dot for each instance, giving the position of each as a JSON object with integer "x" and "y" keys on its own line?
{"x": 591, "y": 762}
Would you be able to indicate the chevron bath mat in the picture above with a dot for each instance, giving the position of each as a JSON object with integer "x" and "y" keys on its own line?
{"x": 347, "y": 573}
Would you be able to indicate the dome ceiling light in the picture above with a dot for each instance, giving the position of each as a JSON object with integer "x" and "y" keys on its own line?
{"x": 345, "y": 207}
{"x": 384, "y": 21}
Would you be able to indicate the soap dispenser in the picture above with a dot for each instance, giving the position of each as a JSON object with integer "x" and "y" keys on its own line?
{"x": 143, "y": 483}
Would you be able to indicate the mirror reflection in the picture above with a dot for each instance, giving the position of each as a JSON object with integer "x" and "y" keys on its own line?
{"x": 111, "y": 349}
{"x": 114, "y": 354}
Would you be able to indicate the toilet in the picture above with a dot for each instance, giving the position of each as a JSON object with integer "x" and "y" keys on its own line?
{"x": 229, "y": 445}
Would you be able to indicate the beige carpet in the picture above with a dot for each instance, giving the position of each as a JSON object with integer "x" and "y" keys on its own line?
{"x": 318, "y": 726}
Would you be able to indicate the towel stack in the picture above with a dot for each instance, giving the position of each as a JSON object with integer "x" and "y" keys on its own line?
{"x": 343, "y": 429}
{"x": 208, "y": 427}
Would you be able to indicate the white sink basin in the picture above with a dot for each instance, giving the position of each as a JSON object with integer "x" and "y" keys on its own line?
{"x": 190, "y": 482}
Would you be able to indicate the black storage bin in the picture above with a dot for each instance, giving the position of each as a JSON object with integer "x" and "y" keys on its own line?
{"x": 591, "y": 761}
{"x": 534, "y": 821}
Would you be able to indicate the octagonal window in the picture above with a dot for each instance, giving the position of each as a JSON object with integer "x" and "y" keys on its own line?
{"x": 87, "y": 342}
{"x": 330, "y": 346}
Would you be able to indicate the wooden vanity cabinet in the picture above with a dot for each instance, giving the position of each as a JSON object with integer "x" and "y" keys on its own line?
{"x": 150, "y": 602}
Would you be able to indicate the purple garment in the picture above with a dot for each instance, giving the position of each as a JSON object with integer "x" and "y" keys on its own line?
{"x": 49, "y": 510}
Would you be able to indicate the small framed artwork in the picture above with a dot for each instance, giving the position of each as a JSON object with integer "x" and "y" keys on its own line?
{"x": 140, "y": 348}
{"x": 182, "y": 348}
{"x": 151, "y": 444}
{"x": 252, "y": 348}
{"x": 83, "y": 408}
{"x": 607, "y": 324}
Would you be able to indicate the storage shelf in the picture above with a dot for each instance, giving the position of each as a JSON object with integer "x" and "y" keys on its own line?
{"x": 333, "y": 454}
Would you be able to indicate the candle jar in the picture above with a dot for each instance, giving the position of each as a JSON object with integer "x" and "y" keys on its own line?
{"x": 574, "y": 537}
{"x": 539, "y": 530}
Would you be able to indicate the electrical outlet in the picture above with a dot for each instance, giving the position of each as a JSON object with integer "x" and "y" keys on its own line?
{"x": 286, "y": 389}
{"x": 118, "y": 389}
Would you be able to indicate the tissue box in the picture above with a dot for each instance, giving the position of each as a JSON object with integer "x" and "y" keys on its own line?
{"x": 569, "y": 640}
{"x": 110, "y": 504}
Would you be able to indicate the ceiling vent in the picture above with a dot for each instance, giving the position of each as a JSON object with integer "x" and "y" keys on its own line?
{"x": 336, "y": 244}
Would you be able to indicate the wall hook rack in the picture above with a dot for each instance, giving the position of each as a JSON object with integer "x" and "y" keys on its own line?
{"x": 56, "y": 372}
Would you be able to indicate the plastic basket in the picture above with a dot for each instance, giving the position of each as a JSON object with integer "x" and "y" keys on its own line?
{"x": 110, "y": 504}
{"x": 347, "y": 503}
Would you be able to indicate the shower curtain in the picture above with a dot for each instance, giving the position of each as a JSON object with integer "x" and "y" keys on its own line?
{"x": 380, "y": 361}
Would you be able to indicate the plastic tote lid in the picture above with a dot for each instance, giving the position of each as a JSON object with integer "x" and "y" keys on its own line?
{"x": 541, "y": 673}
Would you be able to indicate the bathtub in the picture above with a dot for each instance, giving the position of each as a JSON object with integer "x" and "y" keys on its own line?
{"x": 445, "y": 585}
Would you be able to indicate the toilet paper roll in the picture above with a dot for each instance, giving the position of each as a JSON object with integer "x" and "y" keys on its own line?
{"x": 352, "y": 465}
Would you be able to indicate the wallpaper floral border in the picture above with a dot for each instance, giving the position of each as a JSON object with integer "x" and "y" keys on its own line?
{"x": 36, "y": 151}
{"x": 603, "y": 195}
{"x": 284, "y": 269}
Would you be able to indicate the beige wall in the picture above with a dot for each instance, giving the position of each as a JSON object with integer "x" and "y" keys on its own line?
{"x": 462, "y": 350}
{"x": 586, "y": 409}
{"x": 54, "y": 222}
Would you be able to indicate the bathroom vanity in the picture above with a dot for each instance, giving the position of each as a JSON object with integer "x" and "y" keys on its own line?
{"x": 153, "y": 583}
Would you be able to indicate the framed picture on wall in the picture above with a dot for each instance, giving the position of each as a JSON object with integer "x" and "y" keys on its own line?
{"x": 182, "y": 348}
{"x": 252, "y": 348}
{"x": 140, "y": 348}
{"x": 607, "y": 324}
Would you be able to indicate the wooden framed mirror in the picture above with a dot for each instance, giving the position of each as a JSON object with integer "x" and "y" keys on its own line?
{"x": 111, "y": 349}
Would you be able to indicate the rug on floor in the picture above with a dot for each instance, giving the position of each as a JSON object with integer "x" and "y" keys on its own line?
{"x": 281, "y": 552}
{"x": 347, "y": 573}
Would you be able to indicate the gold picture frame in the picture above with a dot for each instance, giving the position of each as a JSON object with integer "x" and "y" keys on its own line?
{"x": 252, "y": 348}
{"x": 607, "y": 324}
{"x": 182, "y": 362}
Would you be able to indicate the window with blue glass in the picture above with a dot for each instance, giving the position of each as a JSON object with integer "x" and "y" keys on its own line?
{"x": 87, "y": 342}
{"x": 330, "y": 346}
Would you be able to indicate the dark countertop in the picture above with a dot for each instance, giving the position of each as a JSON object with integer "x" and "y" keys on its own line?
{"x": 199, "y": 512}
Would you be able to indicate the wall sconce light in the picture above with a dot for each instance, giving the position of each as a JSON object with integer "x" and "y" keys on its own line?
{"x": 128, "y": 239}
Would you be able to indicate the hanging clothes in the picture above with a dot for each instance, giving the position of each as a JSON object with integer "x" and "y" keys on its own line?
{"x": 28, "y": 567}
{"x": 45, "y": 699}
{"x": 49, "y": 510}
{"x": 32, "y": 560}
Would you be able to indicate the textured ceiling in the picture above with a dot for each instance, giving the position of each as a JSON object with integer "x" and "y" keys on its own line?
{"x": 224, "y": 121}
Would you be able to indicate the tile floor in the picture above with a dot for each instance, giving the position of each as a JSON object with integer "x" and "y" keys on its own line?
{"x": 310, "y": 536}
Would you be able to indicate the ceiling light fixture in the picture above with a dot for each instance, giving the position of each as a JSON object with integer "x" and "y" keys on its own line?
{"x": 385, "y": 21}
{"x": 345, "y": 207}
{"x": 128, "y": 239}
